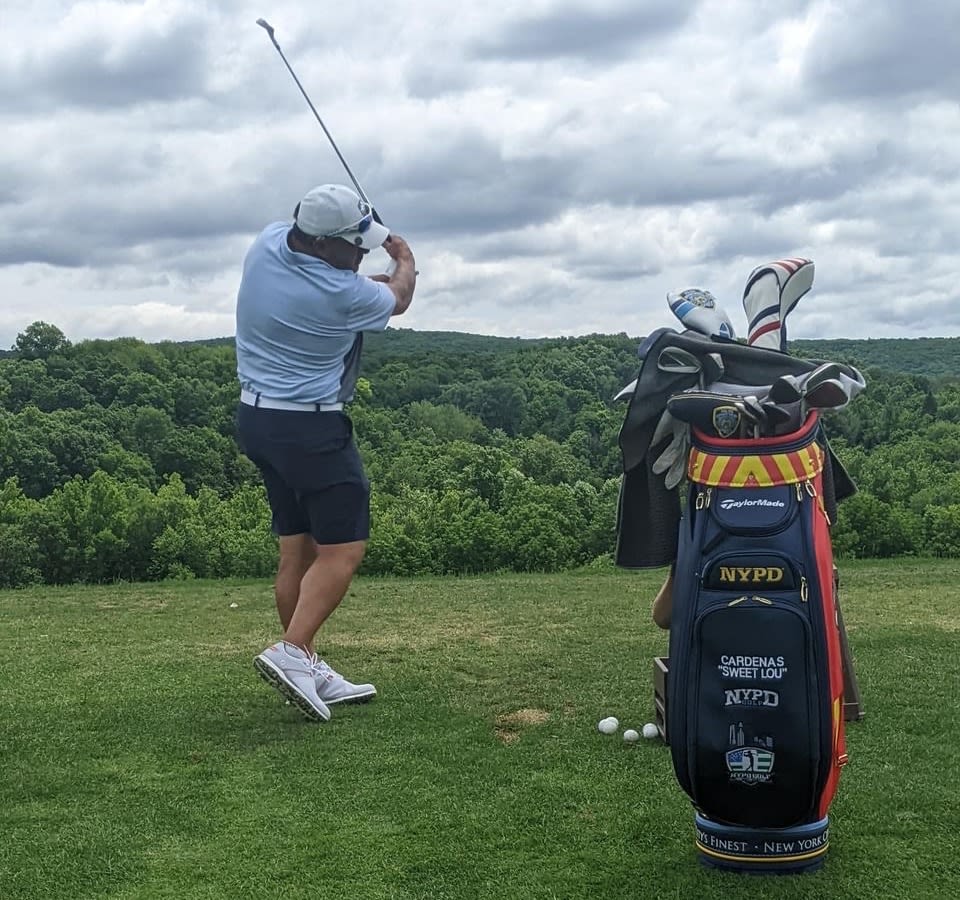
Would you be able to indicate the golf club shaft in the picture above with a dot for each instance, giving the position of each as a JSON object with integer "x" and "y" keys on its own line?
{"x": 266, "y": 26}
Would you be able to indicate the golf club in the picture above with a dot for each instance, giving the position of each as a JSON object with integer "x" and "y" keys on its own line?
{"x": 677, "y": 361}
{"x": 782, "y": 417}
{"x": 266, "y": 26}
{"x": 758, "y": 414}
{"x": 784, "y": 390}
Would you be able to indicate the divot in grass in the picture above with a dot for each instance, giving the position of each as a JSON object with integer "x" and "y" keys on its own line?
{"x": 509, "y": 726}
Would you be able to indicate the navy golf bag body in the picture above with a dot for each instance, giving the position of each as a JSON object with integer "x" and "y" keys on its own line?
{"x": 755, "y": 694}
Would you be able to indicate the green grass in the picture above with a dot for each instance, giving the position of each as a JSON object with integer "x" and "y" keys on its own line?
{"x": 141, "y": 756}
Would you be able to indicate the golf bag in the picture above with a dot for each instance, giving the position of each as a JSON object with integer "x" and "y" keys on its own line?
{"x": 755, "y": 695}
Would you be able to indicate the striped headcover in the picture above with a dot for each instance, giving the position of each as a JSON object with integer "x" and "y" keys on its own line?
{"x": 771, "y": 292}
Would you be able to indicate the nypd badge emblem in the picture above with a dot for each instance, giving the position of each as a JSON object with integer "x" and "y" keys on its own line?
{"x": 726, "y": 421}
{"x": 698, "y": 297}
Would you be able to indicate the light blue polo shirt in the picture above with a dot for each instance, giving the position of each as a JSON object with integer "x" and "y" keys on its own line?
{"x": 300, "y": 322}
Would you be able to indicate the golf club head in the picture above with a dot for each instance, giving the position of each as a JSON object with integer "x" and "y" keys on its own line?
{"x": 784, "y": 390}
{"x": 821, "y": 373}
{"x": 854, "y": 382}
{"x": 677, "y": 361}
{"x": 828, "y": 394}
{"x": 811, "y": 380}
{"x": 755, "y": 408}
{"x": 830, "y": 386}
{"x": 698, "y": 310}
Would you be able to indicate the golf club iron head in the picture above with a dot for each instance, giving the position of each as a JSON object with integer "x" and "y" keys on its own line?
{"x": 760, "y": 421}
{"x": 677, "y": 361}
{"x": 784, "y": 390}
{"x": 828, "y": 394}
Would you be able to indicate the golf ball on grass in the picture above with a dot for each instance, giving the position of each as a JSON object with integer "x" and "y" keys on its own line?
{"x": 630, "y": 735}
{"x": 650, "y": 731}
{"x": 609, "y": 725}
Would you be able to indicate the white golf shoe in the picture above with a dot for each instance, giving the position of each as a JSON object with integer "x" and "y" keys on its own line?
{"x": 334, "y": 688}
{"x": 294, "y": 673}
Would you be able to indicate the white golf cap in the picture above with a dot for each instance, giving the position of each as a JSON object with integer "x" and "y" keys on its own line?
{"x": 333, "y": 210}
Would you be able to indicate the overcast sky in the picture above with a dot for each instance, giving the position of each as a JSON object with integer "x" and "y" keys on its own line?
{"x": 556, "y": 166}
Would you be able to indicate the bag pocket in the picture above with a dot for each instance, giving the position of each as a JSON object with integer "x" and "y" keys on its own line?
{"x": 753, "y": 572}
{"x": 752, "y": 726}
{"x": 760, "y": 510}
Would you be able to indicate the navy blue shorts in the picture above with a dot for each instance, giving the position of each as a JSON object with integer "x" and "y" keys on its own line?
{"x": 312, "y": 471}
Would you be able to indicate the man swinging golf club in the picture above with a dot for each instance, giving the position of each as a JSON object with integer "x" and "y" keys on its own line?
{"x": 302, "y": 309}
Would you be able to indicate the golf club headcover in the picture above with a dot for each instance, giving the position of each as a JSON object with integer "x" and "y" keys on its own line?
{"x": 771, "y": 292}
{"x": 719, "y": 415}
{"x": 699, "y": 311}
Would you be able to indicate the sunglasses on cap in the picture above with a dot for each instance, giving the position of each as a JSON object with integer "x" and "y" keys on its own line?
{"x": 360, "y": 226}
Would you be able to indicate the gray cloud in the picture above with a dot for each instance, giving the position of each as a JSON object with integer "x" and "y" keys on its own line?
{"x": 592, "y": 31}
{"x": 555, "y": 172}
{"x": 870, "y": 50}
{"x": 439, "y": 78}
{"x": 95, "y": 69}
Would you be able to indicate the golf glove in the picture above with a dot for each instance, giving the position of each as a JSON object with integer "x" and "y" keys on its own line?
{"x": 672, "y": 462}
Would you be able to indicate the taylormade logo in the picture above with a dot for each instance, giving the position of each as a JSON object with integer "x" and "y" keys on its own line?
{"x": 743, "y": 504}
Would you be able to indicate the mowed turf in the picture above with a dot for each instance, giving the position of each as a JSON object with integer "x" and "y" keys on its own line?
{"x": 142, "y": 757}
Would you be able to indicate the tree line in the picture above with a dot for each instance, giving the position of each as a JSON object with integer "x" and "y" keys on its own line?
{"x": 118, "y": 459}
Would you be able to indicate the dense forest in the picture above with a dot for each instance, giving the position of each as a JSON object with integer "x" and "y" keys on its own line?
{"x": 118, "y": 459}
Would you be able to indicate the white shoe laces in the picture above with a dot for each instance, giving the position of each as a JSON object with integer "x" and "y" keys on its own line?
{"x": 321, "y": 668}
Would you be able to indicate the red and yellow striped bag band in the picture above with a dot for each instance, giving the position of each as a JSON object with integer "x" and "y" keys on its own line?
{"x": 762, "y": 462}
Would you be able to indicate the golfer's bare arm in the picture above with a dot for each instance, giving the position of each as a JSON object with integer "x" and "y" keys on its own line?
{"x": 403, "y": 280}
{"x": 663, "y": 603}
